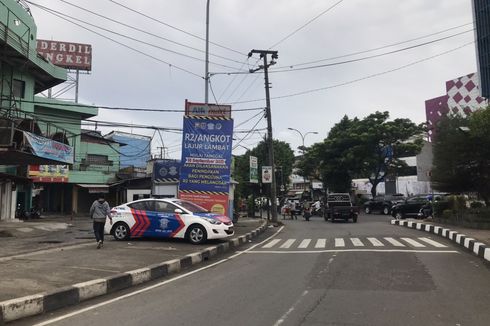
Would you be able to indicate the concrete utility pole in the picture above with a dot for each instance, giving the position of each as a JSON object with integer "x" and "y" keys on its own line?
{"x": 263, "y": 54}
{"x": 206, "y": 73}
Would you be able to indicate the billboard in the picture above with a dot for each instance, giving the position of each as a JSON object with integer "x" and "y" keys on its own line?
{"x": 66, "y": 54}
{"x": 481, "y": 18}
{"x": 208, "y": 110}
{"x": 166, "y": 171}
{"x": 266, "y": 174}
{"x": 206, "y": 161}
{"x": 254, "y": 171}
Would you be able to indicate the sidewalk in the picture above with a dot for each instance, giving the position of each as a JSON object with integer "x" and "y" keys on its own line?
{"x": 33, "y": 262}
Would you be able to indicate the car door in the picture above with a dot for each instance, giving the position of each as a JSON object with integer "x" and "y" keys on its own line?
{"x": 414, "y": 204}
{"x": 168, "y": 223}
{"x": 143, "y": 214}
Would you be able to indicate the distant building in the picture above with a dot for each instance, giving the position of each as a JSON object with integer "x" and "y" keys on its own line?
{"x": 136, "y": 151}
{"x": 481, "y": 18}
{"x": 462, "y": 97}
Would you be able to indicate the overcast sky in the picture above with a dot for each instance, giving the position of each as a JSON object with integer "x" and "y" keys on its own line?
{"x": 121, "y": 77}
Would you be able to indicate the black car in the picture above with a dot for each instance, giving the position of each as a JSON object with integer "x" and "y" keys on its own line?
{"x": 417, "y": 206}
{"x": 383, "y": 203}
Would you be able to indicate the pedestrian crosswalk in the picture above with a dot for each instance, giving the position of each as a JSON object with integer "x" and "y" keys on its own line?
{"x": 43, "y": 227}
{"x": 353, "y": 242}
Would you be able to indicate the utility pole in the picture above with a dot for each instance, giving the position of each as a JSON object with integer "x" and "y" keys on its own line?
{"x": 263, "y": 55}
{"x": 206, "y": 73}
{"x": 162, "y": 153}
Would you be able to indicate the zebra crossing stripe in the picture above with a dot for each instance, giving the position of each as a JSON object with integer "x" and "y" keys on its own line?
{"x": 288, "y": 243}
{"x": 394, "y": 242}
{"x": 433, "y": 243}
{"x": 375, "y": 242}
{"x": 304, "y": 244}
{"x": 339, "y": 242}
{"x": 272, "y": 243}
{"x": 357, "y": 242}
{"x": 321, "y": 243}
{"x": 413, "y": 243}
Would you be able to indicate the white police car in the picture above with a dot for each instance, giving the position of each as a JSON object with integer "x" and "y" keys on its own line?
{"x": 167, "y": 218}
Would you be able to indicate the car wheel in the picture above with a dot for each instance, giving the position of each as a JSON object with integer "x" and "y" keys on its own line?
{"x": 367, "y": 210}
{"x": 120, "y": 231}
{"x": 399, "y": 215}
{"x": 386, "y": 210}
{"x": 196, "y": 234}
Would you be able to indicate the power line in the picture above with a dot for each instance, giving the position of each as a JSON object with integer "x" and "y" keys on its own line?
{"x": 306, "y": 24}
{"x": 52, "y": 11}
{"x": 117, "y": 42}
{"x": 359, "y": 79}
{"x": 146, "y": 32}
{"x": 173, "y": 27}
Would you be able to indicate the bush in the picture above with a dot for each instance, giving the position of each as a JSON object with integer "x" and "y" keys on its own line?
{"x": 476, "y": 204}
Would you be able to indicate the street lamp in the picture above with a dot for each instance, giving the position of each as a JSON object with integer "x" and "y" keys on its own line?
{"x": 303, "y": 136}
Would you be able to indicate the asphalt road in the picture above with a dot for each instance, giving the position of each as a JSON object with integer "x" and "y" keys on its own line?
{"x": 312, "y": 273}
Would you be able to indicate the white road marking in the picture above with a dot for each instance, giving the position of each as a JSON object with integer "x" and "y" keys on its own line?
{"x": 433, "y": 243}
{"x": 25, "y": 230}
{"x": 413, "y": 243}
{"x": 375, "y": 242}
{"x": 272, "y": 243}
{"x": 349, "y": 250}
{"x": 288, "y": 243}
{"x": 290, "y": 310}
{"x": 321, "y": 243}
{"x": 339, "y": 242}
{"x": 304, "y": 244}
{"x": 356, "y": 242}
{"x": 151, "y": 287}
{"x": 394, "y": 242}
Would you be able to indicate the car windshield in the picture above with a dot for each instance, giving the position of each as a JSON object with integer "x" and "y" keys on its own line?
{"x": 190, "y": 206}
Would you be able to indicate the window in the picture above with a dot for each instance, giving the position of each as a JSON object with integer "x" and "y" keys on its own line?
{"x": 164, "y": 207}
{"x": 146, "y": 205}
{"x": 97, "y": 159}
{"x": 18, "y": 88}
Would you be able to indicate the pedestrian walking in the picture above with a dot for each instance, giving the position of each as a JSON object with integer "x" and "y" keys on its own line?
{"x": 99, "y": 212}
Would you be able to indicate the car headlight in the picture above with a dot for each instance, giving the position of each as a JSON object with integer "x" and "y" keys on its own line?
{"x": 211, "y": 220}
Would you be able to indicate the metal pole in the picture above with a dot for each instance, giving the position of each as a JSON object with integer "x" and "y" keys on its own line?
{"x": 206, "y": 73}
{"x": 270, "y": 140}
{"x": 76, "y": 85}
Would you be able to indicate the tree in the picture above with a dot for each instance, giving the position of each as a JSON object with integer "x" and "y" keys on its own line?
{"x": 284, "y": 160}
{"x": 462, "y": 154}
{"x": 369, "y": 147}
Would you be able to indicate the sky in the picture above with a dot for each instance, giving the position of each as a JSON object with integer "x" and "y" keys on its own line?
{"x": 302, "y": 31}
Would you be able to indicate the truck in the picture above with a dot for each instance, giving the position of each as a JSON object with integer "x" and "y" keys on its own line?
{"x": 339, "y": 206}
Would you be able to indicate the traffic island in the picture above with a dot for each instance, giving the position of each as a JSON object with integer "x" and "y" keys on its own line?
{"x": 64, "y": 296}
{"x": 478, "y": 248}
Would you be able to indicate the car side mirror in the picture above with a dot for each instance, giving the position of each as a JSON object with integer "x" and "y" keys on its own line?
{"x": 178, "y": 211}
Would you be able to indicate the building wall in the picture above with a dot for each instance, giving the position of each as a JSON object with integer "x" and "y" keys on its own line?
{"x": 136, "y": 151}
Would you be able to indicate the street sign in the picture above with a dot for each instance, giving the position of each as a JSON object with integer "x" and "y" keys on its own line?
{"x": 254, "y": 171}
{"x": 267, "y": 174}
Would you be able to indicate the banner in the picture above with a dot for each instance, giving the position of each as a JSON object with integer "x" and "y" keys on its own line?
{"x": 49, "y": 149}
{"x": 166, "y": 171}
{"x": 254, "y": 170}
{"x": 66, "y": 54}
{"x": 206, "y": 161}
{"x": 49, "y": 173}
{"x": 208, "y": 110}
{"x": 266, "y": 174}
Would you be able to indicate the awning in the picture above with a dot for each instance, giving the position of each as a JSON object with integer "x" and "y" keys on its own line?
{"x": 95, "y": 188}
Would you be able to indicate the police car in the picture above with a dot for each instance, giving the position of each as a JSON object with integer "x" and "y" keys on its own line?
{"x": 167, "y": 218}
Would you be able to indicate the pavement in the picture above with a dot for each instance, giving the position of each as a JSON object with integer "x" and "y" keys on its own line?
{"x": 46, "y": 256}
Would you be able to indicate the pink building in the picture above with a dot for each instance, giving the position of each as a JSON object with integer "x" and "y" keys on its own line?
{"x": 462, "y": 97}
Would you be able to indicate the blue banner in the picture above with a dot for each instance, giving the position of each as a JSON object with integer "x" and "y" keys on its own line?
{"x": 166, "y": 171}
{"x": 206, "y": 154}
{"x": 49, "y": 149}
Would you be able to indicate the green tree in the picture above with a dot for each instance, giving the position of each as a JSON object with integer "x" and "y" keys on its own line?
{"x": 369, "y": 147}
{"x": 462, "y": 154}
{"x": 284, "y": 160}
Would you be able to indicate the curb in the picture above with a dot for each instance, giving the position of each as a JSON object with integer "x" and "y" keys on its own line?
{"x": 36, "y": 304}
{"x": 476, "y": 247}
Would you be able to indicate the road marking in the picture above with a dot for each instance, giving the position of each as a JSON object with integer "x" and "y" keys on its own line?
{"x": 413, "y": 243}
{"x": 290, "y": 310}
{"x": 349, "y": 250}
{"x": 375, "y": 242}
{"x": 304, "y": 244}
{"x": 356, "y": 242}
{"x": 288, "y": 243}
{"x": 433, "y": 243}
{"x": 272, "y": 243}
{"x": 25, "y": 230}
{"x": 339, "y": 242}
{"x": 394, "y": 242}
{"x": 151, "y": 287}
{"x": 321, "y": 243}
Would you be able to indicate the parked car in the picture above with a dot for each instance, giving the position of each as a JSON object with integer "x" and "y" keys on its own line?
{"x": 168, "y": 218}
{"x": 339, "y": 206}
{"x": 382, "y": 203}
{"x": 419, "y": 206}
